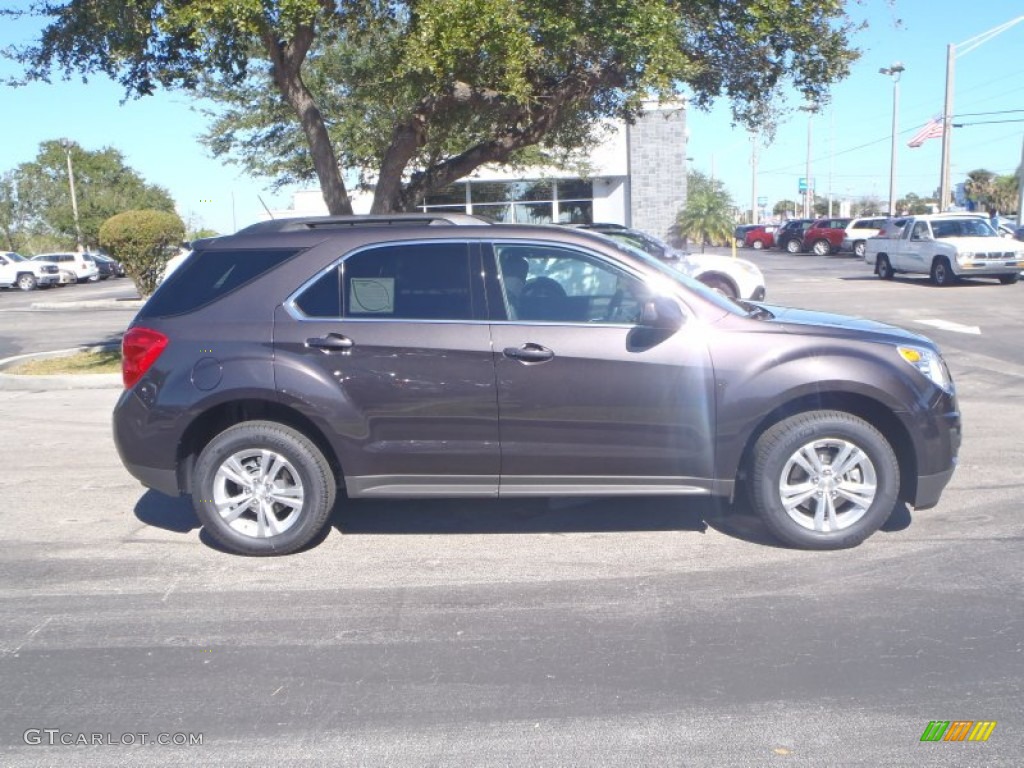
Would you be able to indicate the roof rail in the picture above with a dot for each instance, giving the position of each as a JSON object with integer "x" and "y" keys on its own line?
{"x": 308, "y": 223}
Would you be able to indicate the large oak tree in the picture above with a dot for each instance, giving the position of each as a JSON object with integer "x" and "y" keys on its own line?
{"x": 419, "y": 94}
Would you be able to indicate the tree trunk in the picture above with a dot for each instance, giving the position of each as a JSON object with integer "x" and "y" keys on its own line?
{"x": 287, "y": 59}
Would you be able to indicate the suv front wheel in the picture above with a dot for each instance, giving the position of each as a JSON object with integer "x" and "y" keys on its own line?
{"x": 824, "y": 480}
{"x": 261, "y": 488}
{"x": 793, "y": 245}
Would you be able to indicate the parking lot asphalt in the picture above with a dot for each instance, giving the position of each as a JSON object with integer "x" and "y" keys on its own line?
{"x": 531, "y": 632}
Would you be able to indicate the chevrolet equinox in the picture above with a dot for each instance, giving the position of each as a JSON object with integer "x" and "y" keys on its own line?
{"x": 423, "y": 356}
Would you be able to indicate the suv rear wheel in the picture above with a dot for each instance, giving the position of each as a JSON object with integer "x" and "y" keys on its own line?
{"x": 859, "y": 249}
{"x": 824, "y": 480}
{"x": 261, "y": 488}
{"x": 1009, "y": 279}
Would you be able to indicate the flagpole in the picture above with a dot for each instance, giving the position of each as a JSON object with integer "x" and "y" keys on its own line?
{"x": 947, "y": 129}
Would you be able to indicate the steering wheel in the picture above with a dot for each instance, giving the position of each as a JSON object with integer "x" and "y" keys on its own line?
{"x": 543, "y": 288}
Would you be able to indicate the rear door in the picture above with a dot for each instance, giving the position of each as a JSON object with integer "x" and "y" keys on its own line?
{"x": 588, "y": 400}
{"x": 391, "y": 347}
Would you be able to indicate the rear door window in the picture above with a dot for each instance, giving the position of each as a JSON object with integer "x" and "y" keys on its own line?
{"x": 409, "y": 281}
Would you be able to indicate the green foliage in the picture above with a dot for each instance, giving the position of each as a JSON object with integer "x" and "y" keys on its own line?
{"x": 142, "y": 241}
{"x": 785, "y": 208}
{"x": 420, "y": 93}
{"x": 707, "y": 215}
{"x": 915, "y": 205}
{"x": 980, "y": 188}
{"x": 35, "y": 197}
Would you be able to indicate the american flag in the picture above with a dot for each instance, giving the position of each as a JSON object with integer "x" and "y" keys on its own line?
{"x": 931, "y": 130}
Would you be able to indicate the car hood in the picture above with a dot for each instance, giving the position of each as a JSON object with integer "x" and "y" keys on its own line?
{"x": 807, "y": 321}
{"x": 982, "y": 244}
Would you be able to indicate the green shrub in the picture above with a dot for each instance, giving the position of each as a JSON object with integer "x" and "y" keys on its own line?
{"x": 143, "y": 241}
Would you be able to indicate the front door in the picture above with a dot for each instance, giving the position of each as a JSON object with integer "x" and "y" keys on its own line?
{"x": 587, "y": 399}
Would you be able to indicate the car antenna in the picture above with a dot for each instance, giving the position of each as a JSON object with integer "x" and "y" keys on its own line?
{"x": 271, "y": 215}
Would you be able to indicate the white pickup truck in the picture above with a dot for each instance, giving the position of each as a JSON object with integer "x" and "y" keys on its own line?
{"x": 946, "y": 247}
{"x": 16, "y": 270}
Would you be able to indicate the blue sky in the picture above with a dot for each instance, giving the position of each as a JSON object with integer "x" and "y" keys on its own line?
{"x": 850, "y": 138}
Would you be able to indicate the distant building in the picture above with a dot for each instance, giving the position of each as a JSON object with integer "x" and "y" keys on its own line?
{"x": 635, "y": 177}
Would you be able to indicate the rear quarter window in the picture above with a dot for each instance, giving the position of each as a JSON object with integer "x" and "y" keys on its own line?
{"x": 207, "y": 276}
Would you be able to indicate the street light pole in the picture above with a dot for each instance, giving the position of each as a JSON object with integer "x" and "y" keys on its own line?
{"x": 74, "y": 198}
{"x": 894, "y": 72}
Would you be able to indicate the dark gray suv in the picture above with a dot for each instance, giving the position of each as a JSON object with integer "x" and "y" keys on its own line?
{"x": 412, "y": 357}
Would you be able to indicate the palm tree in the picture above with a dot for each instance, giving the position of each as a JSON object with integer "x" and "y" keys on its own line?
{"x": 707, "y": 214}
{"x": 980, "y": 188}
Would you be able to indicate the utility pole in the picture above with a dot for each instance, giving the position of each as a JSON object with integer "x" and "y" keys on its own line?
{"x": 947, "y": 112}
{"x": 754, "y": 218}
{"x": 1020, "y": 188}
{"x": 809, "y": 191}
{"x": 67, "y": 144}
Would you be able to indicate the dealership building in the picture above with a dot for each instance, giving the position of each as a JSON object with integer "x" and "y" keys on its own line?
{"x": 636, "y": 177}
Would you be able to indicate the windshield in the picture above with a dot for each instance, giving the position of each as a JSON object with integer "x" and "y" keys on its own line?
{"x": 942, "y": 228}
{"x": 15, "y": 256}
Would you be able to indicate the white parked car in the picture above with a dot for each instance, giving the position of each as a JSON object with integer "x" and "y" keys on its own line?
{"x": 946, "y": 247}
{"x": 26, "y": 274}
{"x": 732, "y": 277}
{"x": 859, "y": 230}
{"x": 81, "y": 266}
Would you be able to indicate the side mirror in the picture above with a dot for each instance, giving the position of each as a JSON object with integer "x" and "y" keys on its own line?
{"x": 661, "y": 313}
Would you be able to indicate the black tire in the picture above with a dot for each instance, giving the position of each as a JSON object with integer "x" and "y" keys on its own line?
{"x": 298, "y": 463}
{"x": 822, "y": 247}
{"x": 942, "y": 273}
{"x": 27, "y": 281}
{"x": 883, "y": 268}
{"x": 721, "y": 285}
{"x": 825, "y": 435}
{"x": 859, "y": 249}
{"x": 792, "y": 246}
{"x": 1009, "y": 279}
{"x": 757, "y": 245}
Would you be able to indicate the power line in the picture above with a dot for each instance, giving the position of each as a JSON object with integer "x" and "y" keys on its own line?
{"x": 987, "y": 122}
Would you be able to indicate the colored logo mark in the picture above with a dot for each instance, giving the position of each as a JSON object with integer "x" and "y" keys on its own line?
{"x": 958, "y": 730}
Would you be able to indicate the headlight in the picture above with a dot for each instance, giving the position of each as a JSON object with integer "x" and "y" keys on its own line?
{"x": 748, "y": 266}
{"x": 965, "y": 256}
{"x": 928, "y": 363}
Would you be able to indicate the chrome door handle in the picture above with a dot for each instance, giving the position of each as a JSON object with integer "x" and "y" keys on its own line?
{"x": 529, "y": 353}
{"x": 332, "y": 342}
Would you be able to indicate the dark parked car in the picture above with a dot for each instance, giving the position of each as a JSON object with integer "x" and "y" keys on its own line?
{"x": 408, "y": 357}
{"x": 790, "y": 236}
{"x": 739, "y": 234}
{"x": 108, "y": 267}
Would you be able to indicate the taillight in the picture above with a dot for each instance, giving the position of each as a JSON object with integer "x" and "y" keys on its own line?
{"x": 140, "y": 347}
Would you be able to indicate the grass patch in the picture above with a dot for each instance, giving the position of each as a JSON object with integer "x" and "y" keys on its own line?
{"x": 102, "y": 361}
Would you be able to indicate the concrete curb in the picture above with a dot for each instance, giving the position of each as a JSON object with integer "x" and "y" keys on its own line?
{"x": 43, "y": 383}
{"x": 132, "y": 304}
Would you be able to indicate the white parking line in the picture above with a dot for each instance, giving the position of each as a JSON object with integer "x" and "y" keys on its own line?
{"x": 946, "y": 325}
